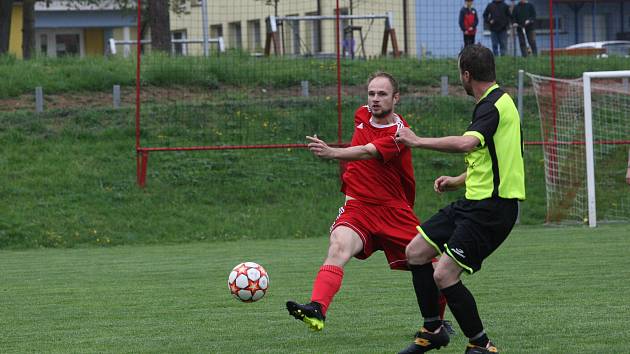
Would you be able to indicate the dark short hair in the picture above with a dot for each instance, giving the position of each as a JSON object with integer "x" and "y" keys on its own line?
{"x": 389, "y": 76}
{"x": 478, "y": 61}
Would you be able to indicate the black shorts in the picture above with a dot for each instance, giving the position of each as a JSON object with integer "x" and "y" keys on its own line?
{"x": 470, "y": 230}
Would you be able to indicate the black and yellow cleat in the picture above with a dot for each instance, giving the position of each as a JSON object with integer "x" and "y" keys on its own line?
{"x": 310, "y": 313}
{"x": 426, "y": 341}
{"x": 488, "y": 349}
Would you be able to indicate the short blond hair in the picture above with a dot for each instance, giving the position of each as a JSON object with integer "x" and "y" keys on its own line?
{"x": 388, "y": 76}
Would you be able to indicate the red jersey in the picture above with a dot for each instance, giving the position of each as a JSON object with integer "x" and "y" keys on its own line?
{"x": 387, "y": 181}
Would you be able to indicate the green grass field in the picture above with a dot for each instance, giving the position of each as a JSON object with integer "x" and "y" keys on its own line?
{"x": 70, "y": 174}
{"x": 73, "y": 74}
{"x": 546, "y": 290}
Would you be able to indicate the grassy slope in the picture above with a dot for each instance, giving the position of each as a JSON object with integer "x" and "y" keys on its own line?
{"x": 546, "y": 290}
{"x": 99, "y": 74}
{"x": 71, "y": 174}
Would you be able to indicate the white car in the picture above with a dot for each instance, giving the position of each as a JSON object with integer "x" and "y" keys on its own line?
{"x": 617, "y": 48}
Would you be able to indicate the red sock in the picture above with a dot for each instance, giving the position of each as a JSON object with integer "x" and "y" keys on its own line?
{"x": 327, "y": 284}
{"x": 442, "y": 303}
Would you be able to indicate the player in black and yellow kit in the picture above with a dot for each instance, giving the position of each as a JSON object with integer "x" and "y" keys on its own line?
{"x": 467, "y": 231}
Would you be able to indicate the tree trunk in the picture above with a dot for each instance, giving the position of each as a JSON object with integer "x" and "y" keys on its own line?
{"x": 159, "y": 22}
{"x": 28, "y": 28}
{"x": 6, "y": 9}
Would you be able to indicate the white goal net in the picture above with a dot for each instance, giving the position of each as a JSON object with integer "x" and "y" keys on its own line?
{"x": 585, "y": 128}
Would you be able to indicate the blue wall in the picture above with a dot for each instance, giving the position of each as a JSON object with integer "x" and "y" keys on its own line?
{"x": 438, "y": 33}
{"x": 437, "y": 29}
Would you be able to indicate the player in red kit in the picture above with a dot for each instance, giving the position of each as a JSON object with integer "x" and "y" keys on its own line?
{"x": 380, "y": 189}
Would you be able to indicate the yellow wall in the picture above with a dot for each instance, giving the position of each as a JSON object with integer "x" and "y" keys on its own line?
{"x": 224, "y": 12}
{"x": 119, "y": 35}
{"x": 94, "y": 45}
{"x": 15, "y": 39}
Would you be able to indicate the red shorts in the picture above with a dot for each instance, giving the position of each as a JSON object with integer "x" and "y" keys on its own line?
{"x": 381, "y": 228}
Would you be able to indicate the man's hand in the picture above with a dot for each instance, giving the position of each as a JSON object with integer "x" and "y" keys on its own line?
{"x": 406, "y": 136}
{"x": 319, "y": 148}
{"x": 628, "y": 175}
{"x": 446, "y": 183}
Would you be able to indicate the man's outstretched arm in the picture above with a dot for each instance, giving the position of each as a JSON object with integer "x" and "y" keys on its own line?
{"x": 361, "y": 152}
{"x": 461, "y": 143}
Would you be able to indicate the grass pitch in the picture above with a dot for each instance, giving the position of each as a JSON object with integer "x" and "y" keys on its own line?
{"x": 546, "y": 290}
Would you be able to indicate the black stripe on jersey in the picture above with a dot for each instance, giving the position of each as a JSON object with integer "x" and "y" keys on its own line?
{"x": 496, "y": 179}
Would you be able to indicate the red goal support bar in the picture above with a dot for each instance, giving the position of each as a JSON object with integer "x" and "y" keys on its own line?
{"x": 142, "y": 152}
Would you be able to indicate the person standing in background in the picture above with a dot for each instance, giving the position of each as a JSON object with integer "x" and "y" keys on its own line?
{"x": 468, "y": 21}
{"x": 524, "y": 15}
{"x": 497, "y": 16}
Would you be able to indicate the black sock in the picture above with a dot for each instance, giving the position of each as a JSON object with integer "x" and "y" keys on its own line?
{"x": 481, "y": 341}
{"x": 432, "y": 325}
{"x": 427, "y": 294}
{"x": 463, "y": 307}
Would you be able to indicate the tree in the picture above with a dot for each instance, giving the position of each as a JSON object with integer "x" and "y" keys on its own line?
{"x": 159, "y": 22}
{"x": 28, "y": 28}
{"x": 6, "y": 9}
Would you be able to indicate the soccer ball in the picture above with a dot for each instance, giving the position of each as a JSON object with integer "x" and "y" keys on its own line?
{"x": 248, "y": 282}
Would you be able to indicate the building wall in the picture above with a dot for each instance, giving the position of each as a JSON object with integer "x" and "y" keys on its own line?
{"x": 97, "y": 27}
{"x": 438, "y": 34}
{"x": 238, "y": 18}
{"x": 15, "y": 39}
{"x": 606, "y": 26}
{"x": 119, "y": 35}
{"x": 94, "y": 41}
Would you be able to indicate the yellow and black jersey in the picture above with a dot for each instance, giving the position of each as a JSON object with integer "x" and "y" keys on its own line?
{"x": 495, "y": 167}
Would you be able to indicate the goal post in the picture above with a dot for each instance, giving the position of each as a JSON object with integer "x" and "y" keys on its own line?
{"x": 585, "y": 140}
{"x": 587, "y": 78}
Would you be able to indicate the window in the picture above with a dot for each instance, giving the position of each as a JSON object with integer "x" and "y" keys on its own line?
{"x": 291, "y": 34}
{"x": 594, "y": 28}
{"x": 179, "y": 48}
{"x": 254, "y": 36}
{"x": 235, "y": 37}
{"x": 43, "y": 45}
{"x": 59, "y": 42}
{"x": 297, "y": 40}
{"x": 67, "y": 44}
{"x": 542, "y": 25}
{"x": 216, "y": 31}
{"x": 313, "y": 34}
{"x": 346, "y": 37}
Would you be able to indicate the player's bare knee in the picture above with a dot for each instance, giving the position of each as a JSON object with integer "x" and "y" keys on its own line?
{"x": 339, "y": 249}
{"x": 444, "y": 277}
{"x": 415, "y": 255}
